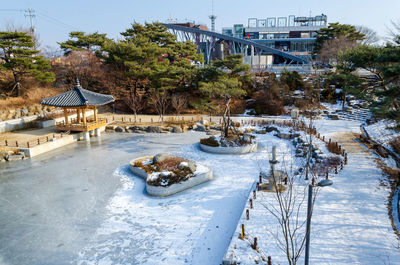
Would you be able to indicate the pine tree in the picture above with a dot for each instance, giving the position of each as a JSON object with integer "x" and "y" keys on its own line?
{"x": 223, "y": 79}
{"x": 79, "y": 41}
{"x": 20, "y": 57}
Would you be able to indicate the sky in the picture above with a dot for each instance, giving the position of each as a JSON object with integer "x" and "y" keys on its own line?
{"x": 55, "y": 19}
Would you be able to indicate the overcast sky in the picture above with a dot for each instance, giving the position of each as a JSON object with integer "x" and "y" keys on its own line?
{"x": 55, "y": 19}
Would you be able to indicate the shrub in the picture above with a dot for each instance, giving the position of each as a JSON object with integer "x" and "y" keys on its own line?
{"x": 209, "y": 141}
{"x": 333, "y": 148}
{"x": 170, "y": 164}
{"x": 327, "y": 165}
{"x": 395, "y": 144}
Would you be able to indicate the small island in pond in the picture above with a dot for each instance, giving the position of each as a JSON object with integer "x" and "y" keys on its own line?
{"x": 165, "y": 174}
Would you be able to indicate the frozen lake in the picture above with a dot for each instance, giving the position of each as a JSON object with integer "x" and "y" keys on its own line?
{"x": 81, "y": 205}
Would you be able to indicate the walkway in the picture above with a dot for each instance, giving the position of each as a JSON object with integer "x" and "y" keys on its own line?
{"x": 350, "y": 223}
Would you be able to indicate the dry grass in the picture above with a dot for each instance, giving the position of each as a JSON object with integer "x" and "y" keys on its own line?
{"x": 333, "y": 148}
{"x": 396, "y": 145}
{"x": 33, "y": 96}
{"x": 7, "y": 149}
{"x": 327, "y": 165}
{"x": 170, "y": 164}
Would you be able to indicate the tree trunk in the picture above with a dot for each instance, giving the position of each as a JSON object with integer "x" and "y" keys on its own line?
{"x": 226, "y": 117}
{"x": 344, "y": 99}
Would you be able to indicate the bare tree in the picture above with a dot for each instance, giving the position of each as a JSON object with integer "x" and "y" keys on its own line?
{"x": 371, "y": 36}
{"x": 394, "y": 32}
{"x": 159, "y": 100}
{"x": 136, "y": 101}
{"x": 288, "y": 207}
{"x": 179, "y": 103}
{"x": 330, "y": 51}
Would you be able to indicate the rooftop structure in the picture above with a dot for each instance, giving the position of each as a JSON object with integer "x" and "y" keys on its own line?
{"x": 292, "y": 34}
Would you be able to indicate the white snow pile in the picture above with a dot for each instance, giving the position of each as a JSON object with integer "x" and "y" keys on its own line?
{"x": 381, "y": 131}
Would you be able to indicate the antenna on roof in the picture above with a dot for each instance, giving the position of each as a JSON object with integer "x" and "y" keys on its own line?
{"x": 212, "y": 16}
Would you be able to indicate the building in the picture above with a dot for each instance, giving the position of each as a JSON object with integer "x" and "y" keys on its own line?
{"x": 292, "y": 34}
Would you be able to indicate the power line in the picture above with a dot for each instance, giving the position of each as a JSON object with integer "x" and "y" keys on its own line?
{"x": 43, "y": 15}
{"x": 31, "y": 14}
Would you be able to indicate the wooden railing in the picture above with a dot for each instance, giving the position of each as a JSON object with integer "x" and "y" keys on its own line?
{"x": 91, "y": 124}
{"x": 31, "y": 143}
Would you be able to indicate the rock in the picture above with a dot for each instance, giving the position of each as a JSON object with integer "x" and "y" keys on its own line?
{"x": 177, "y": 129}
{"x": 119, "y": 129}
{"x": 158, "y": 158}
{"x": 22, "y": 154}
{"x": 189, "y": 165}
{"x": 248, "y": 130}
{"x": 154, "y": 129}
{"x": 139, "y": 131}
{"x": 333, "y": 117}
{"x": 261, "y": 132}
{"x": 213, "y": 132}
{"x": 204, "y": 122}
{"x": 25, "y": 111}
{"x": 381, "y": 151}
{"x": 200, "y": 128}
{"x": 270, "y": 129}
{"x": 2, "y": 160}
{"x": 130, "y": 130}
{"x": 166, "y": 129}
{"x": 111, "y": 127}
{"x": 15, "y": 158}
{"x": 247, "y": 138}
{"x": 141, "y": 128}
{"x": 325, "y": 182}
{"x": 285, "y": 136}
{"x": 216, "y": 127}
{"x": 4, "y": 155}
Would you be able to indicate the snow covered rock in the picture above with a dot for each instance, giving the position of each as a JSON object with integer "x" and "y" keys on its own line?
{"x": 158, "y": 158}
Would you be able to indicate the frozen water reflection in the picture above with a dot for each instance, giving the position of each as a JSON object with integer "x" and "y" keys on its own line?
{"x": 80, "y": 204}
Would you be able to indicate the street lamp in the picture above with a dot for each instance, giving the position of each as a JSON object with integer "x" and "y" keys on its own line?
{"x": 322, "y": 183}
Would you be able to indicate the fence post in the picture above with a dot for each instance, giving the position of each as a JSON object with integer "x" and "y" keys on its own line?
{"x": 251, "y": 204}
{"x": 6, "y": 142}
{"x": 47, "y": 138}
{"x": 27, "y": 144}
{"x": 38, "y": 141}
{"x": 255, "y": 243}
{"x": 254, "y": 194}
{"x": 247, "y": 214}
{"x": 16, "y": 143}
{"x": 242, "y": 234}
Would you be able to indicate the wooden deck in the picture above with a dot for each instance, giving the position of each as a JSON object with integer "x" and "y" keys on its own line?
{"x": 80, "y": 127}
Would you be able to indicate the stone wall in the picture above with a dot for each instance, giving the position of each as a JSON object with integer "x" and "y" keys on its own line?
{"x": 32, "y": 110}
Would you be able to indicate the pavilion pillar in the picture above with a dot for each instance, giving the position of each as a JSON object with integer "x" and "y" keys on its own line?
{"x": 95, "y": 113}
{"x": 84, "y": 116}
{"x": 66, "y": 115}
{"x": 78, "y": 115}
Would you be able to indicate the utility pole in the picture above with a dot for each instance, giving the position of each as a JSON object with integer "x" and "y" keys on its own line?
{"x": 31, "y": 14}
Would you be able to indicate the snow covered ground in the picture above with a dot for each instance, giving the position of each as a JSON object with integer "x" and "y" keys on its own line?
{"x": 350, "y": 223}
{"x": 47, "y": 218}
{"x": 381, "y": 132}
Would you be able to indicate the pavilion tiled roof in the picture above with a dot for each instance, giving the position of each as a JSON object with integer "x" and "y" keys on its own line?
{"x": 78, "y": 97}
